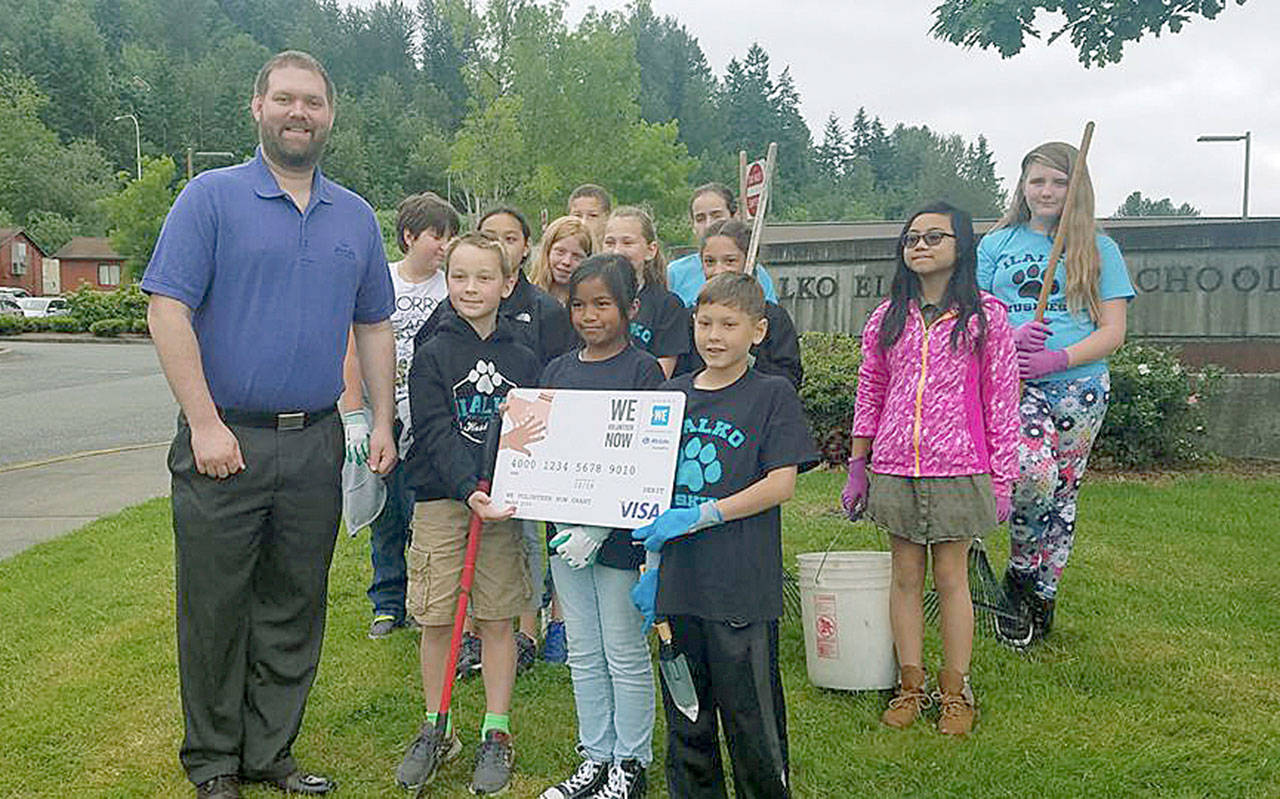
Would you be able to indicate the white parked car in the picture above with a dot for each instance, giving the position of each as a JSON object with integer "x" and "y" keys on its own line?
{"x": 42, "y": 306}
{"x": 13, "y": 292}
{"x": 10, "y": 307}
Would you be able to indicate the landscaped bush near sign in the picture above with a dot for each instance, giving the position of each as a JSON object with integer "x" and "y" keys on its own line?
{"x": 109, "y": 328}
{"x": 1156, "y": 416}
{"x": 89, "y": 306}
{"x": 828, "y": 392}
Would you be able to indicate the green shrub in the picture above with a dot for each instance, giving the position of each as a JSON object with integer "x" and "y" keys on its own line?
{"x": 38, "y": 324}
{"x": 109, "y": 328}
{"x": 1156, "y": 416}
{"x": 126, "y": 302}
{"x": 139, "y": 326}
{"x": 65, "y": 323}
{"x": 829, "y": 390}
{"x": 12, "y": 324}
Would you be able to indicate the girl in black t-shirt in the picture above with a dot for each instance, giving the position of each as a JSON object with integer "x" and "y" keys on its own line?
{"x": 660, "y": 323}
{"x": 595, "y": 568}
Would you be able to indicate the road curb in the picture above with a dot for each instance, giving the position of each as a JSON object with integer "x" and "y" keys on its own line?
{"x": 77, "y": 338}
{"x": 13, "y": 467}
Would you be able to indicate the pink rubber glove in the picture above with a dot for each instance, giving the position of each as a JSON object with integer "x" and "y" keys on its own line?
{"x": 1030, "y": 337}
{"x": 1004, "y": 508}
{"x": 854, "y": 496}
{"x": 1032, "y": 365}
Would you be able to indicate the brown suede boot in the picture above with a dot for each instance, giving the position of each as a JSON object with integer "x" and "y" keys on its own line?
{"x": 910, "y": 700}
{"x": 955, "y": 697}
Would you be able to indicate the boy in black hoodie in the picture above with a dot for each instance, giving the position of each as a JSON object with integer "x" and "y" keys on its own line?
{"x": 459, "y": 378}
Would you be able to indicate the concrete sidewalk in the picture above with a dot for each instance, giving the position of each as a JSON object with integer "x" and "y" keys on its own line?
{"x": 43, "y": 500}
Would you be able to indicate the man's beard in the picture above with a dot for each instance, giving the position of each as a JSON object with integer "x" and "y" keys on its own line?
{"x": 273, "y": 146}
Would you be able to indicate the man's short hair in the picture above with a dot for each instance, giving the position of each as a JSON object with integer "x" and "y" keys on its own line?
{"x": 425, "y": 211}
{"x": 734, "y": 290}
{"x": 481, "y": 240}
{"x": 592, "y": 190}
{"x": 292, "y": 58}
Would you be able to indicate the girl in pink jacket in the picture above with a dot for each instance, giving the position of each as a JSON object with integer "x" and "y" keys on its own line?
{"x": 937, "y": 412}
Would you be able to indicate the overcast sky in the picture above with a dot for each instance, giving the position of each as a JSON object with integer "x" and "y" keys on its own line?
{"x": 1217, "y": 76}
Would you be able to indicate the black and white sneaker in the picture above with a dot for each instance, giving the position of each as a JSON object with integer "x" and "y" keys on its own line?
{"x": 1014, "y": 626}
{"x": 590, "y": 777}
{"x": 626, "y": 781}
{"x": 469, "y": 656}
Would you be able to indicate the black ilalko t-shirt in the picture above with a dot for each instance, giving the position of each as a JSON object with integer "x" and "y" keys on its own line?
{"x": 661, "y": 324}
{"x": 732, "y": 437}
{"x": 630, "y": 370}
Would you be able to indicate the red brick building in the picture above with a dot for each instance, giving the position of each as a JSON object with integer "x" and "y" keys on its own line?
{"x": 21, "y": 261}
{"x": 90, "y": 259}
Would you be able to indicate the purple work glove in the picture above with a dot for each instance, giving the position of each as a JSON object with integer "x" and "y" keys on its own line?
{"x": 1032, "y": 365}
{"x": 1004, "y": 508}
{"x": 854, "y": 496}
{"x": 1031, "y": 336}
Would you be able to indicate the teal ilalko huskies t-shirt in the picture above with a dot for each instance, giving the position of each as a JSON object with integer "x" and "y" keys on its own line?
{"x": 1011, "y": 265}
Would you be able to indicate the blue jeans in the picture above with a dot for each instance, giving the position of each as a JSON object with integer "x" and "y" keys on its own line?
{"x": 388, "y": 539}
{"x": 608, "y": 661}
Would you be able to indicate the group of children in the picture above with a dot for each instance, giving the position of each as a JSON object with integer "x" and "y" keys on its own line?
{"x": 938, "y": 438}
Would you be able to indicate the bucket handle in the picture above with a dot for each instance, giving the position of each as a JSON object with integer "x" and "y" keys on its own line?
{"x": 817, "y": 577}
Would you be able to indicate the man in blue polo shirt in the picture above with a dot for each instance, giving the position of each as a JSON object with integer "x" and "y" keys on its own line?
{"x": 710, "y": 202}
{"x": 258, "y": 274}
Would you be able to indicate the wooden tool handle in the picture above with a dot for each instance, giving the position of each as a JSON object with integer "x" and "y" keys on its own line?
{"x": 664, "y": 631}
{"x": 1060, "y": 236}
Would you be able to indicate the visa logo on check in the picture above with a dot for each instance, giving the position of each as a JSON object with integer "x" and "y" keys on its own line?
{"x": 632, "y": 509}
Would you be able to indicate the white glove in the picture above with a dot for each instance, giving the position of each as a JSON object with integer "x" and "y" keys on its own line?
{"x": 578, "y": 545}
{"x": 355, "y": 427}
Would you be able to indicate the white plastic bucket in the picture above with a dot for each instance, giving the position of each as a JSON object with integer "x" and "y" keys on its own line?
{"x": 844, "y": 601}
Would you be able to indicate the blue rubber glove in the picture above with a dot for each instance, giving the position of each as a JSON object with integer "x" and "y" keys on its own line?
{"x": 644, "y": 594}
{"x": 677, "y": 522}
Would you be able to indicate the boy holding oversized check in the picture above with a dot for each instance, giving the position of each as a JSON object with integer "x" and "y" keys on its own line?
{"x": 459, "y": 379}
{"x": 720, "y": 583}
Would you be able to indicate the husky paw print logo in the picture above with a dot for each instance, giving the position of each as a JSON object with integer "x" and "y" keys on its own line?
{"x": 1029, "y": 283}
{"x": 485, "y": 376}
{"x": 699, "y": 466}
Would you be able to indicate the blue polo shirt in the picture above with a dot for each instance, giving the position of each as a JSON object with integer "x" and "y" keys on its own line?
{"x": 273, "y": 290}
{"x": 685, "y": 279}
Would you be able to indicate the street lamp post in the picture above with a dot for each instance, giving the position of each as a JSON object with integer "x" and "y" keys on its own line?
{"x": 137, "y": 140}
{"x": 1247, "y": 139}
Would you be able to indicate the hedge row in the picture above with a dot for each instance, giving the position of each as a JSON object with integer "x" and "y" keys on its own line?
{"x": 1156, "y": 416}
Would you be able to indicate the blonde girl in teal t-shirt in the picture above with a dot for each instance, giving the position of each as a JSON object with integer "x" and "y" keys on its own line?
{"x": 1062, "y": 362}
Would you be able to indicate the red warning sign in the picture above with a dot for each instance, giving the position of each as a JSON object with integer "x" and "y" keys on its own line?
{"x": 755, "y": 185}
{"x": 826, "y": 629}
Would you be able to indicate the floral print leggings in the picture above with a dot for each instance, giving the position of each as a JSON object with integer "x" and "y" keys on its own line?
{"x": 1060, "y": 419}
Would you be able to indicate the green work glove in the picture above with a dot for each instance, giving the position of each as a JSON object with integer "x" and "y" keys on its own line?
{"x": 355, "y": 428}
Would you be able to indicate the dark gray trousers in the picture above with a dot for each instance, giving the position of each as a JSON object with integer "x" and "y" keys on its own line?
{"x": 252, "y": 559}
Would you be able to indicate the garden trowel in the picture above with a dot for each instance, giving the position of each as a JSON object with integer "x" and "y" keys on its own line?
{"x": 675, "y": 671}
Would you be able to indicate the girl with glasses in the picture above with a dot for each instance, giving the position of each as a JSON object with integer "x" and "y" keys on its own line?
{"x": 936, "y": 414}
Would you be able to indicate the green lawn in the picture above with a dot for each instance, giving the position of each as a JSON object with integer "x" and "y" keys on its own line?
{"x": 1162, "y": 677}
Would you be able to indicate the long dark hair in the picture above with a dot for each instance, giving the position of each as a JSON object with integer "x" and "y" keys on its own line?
{"x": 962, "y": 288}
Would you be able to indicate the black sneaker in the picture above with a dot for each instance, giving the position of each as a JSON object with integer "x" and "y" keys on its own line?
{"x": 626, "y": 781}
{"x": 469, "y": 656}
{"x": 382, "y": 626}
{"x": 425, "y": 756}
{"x": 494, "y": 758}
{"x": 526, "y": 652}
{"x": 590, "y": 777}
{"x": 226, "y": 786}
{"x": 1013, "y": 625}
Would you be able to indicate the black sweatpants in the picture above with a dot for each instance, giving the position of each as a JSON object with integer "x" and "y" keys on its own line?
{"x": 735, "y": 673}
{"x": 252, "y": 556}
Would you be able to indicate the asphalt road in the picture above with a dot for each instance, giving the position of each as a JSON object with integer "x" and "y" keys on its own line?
{"x": 58, "y": 399}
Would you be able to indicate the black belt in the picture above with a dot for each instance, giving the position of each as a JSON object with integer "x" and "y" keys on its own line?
{"x": 293, "y": 420}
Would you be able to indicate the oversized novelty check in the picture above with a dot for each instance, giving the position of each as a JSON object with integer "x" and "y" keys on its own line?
{"x": 605, "y": 458}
